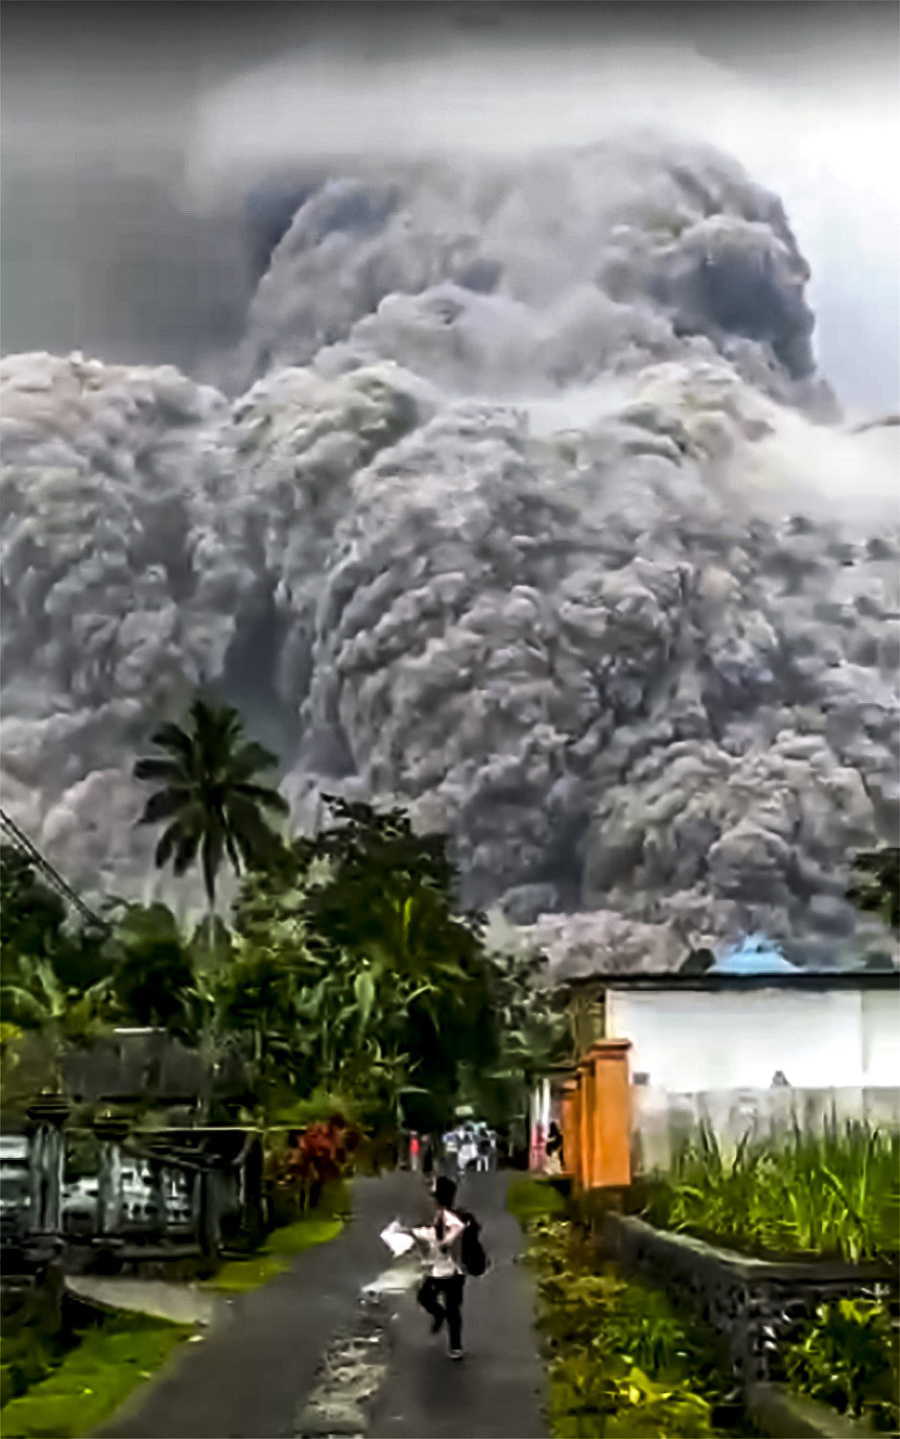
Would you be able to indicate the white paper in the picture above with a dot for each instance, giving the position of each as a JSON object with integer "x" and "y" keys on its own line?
{"x": 397, "y": 1239}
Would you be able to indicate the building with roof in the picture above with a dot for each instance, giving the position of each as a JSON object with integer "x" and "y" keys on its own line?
{"x": 749, "y": 1042}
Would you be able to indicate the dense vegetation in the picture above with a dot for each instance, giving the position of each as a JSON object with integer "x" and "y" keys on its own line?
{"x": 347, "y": 969}
{"x": 833, "y": 1193}
{"x": 848, "y": 1356}
{"x": 876, "y": 884}
{"x": 620, "y": 1361}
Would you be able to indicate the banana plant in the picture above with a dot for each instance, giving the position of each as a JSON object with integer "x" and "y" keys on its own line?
{"x": 35, "y": 999}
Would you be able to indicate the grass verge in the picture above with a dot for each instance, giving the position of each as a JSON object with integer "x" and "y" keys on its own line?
{"x": 620, "y": 1362}
{"x": 530, "y": 1199}
{"x": 238, "y": 1276}
{"x": 241, "y": 1275}
{"x": 93, "y": 1379}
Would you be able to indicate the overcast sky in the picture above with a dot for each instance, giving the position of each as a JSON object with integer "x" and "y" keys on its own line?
{"x": 126, "y": 128}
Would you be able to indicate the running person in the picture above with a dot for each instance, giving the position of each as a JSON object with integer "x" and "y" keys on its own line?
{"x": 441, "y": 1294}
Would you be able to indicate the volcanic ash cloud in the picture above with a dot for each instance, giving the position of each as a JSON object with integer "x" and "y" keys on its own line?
{"x": 532, "y": 517}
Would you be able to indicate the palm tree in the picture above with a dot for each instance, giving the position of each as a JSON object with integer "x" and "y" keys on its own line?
{"x": 209, "y": 795}
{"x": 214, "y": 806}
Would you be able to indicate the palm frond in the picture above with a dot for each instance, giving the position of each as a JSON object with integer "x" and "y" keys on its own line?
{"x": 250, "y": 759}
{"x": 171, "y": 771}
{"x": 186, "y": 846}
{"x": 165, "y": 804}
{"x": 263, "y": 795}
{"x": 209, "y": 792}
{"x": 172, "y": 737}
{"x": 166, "y": 846}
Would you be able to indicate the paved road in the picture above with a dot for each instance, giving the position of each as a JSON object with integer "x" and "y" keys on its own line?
{"x": 252, "y": 1376}
{"x": 496, "y": 1392}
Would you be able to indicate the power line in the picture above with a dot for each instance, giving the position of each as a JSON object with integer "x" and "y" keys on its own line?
{"x": 24, "y": 846}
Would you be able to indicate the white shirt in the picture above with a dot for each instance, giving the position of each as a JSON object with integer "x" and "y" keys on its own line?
{"x": 440, "y": 1260}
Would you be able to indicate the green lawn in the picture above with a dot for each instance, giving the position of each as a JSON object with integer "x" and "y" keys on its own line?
{"x": 93, "y": 1379}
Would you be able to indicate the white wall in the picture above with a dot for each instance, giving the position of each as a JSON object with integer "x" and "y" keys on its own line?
{"x": 662, "y": 1120}
{"x": 689, "y": 1040}
{"x": 881, "y": 1037}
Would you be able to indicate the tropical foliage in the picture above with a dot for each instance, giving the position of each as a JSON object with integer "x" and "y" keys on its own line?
{"x": 829, "y": 1193}
{"x": 620, "y": 1361}
{"x": 348, "y": 967}
{"x": 151, "y": 970}
{"x": 52, "y": 990}
{"x": 848, "y": 1356}
{"x": 371, "y": 981}
{"x": 307, "y": 1160}
{"x": 34, "y": 924}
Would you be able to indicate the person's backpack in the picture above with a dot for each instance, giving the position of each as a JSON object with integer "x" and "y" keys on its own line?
{"x": 474, "y": 1259}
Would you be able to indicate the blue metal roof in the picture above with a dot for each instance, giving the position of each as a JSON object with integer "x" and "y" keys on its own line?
{"x": 753, "y": 955}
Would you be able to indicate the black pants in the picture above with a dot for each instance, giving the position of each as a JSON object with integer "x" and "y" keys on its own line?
{"x": 451, "y": 1291}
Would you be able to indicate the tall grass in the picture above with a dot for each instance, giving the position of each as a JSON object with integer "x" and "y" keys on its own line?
{"x": 834, "y": 1193}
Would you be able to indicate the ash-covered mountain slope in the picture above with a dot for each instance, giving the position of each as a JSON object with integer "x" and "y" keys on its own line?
{"x": 524, "y": 521}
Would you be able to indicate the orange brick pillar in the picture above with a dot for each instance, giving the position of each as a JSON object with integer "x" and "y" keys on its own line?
{"x": 610, "y": 1151}
{"x": 569, "y": 1126}
{"x": 587, "y": 1126}
{"x": 578, "y": 1133}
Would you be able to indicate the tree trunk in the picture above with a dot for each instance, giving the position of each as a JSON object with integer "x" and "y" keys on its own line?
{"x": 207, "y": 1035}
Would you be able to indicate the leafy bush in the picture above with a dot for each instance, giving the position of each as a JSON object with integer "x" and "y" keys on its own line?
{"x": 621, "y": 1362}
{"x": 304, "y": 1162}
{"x": 588, "y": 1400}
{"x": 834, "y": 1193}
{"x": 27, "y": 1359}
{"x": 849, "y": 1357}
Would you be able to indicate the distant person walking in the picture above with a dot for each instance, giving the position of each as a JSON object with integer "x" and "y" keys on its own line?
{"x": 485, "y": 1151}
{"x": 451, "y": 1149}
{"x": 468, "y": 1151}
{"x": 441, "y": 1294}
{"x": 553, "y": 1163}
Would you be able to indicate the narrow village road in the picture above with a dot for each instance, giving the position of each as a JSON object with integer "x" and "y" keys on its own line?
{"x": 311, "y": 1355}
{"x": 496, "y": 1392}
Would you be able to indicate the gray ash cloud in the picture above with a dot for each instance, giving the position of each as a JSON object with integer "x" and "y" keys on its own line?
{"x": 532, "y": 515}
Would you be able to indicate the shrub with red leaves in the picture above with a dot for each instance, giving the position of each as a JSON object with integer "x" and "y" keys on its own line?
{"x": 317, "y": 1154}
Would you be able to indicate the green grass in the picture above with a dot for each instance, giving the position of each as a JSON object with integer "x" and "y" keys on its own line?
{"x": 239, "y": 1276}
{"x": 325, "y": 1223}
{"x": 93, "y": 1379}
{"x": 835, "y": 1193}
{"x": 529, "y": 1199}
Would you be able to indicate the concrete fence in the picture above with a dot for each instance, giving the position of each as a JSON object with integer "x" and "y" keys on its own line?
{"x": 662, "y": 1121}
